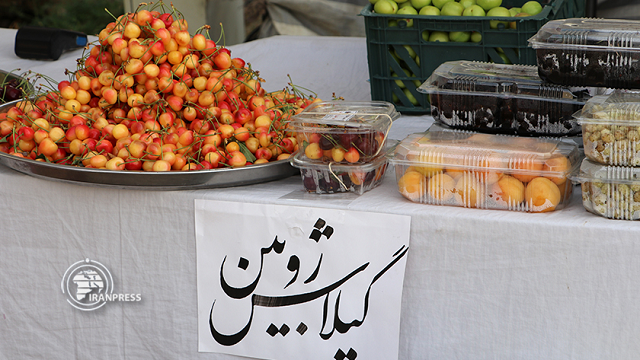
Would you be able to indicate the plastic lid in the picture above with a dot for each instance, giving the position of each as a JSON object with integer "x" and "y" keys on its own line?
{"x": 591, "y": 171}
{"x": 356, "y": 116}
{"x": 621, "y": 107}
{"x": 479, "y": 151}
{"x": 600, "y": 34}
{"x": 490, "y": 78}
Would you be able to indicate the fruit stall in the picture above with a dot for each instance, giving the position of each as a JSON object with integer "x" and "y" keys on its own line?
{"x": 532, "y": 257}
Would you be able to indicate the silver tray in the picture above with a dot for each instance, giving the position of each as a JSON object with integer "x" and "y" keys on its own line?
{"x": 150, "y": 180}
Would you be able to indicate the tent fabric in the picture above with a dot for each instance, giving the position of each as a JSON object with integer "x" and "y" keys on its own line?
{"x": 313, "y": 18}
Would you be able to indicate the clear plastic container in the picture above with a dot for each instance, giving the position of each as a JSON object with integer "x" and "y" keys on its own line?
{"x": 343, "y": 132}
{"x": 485, "y": 171}
{"x": 443, "y": 127}
{"x": 589, "y": 52}
{"x": 499, "y": 98}
{"x": 610, "y": 191}
{"x": 611, "y": 128}
{"x": 334, "y": 178}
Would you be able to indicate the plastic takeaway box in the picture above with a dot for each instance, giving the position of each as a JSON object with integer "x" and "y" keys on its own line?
{"x": 591, "y": 52}
{"x": 343, "y": 132}
{"x": 487, "y": 171}
{"x": 334, "y": 178}
{"x": 499, "y": 98}
{"x": 611, "y": 128}
{"x": 610, "y": 191}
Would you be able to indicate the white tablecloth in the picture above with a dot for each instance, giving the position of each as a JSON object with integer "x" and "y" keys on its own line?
{"x": 480, "y": 284}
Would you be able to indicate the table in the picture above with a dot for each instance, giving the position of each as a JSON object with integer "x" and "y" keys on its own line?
{"x": 479, "y": 284}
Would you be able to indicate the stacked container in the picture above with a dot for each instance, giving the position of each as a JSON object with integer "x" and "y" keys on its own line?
{"x": 501, "y": 148}
{"x": 603, "y": 53}
{"x": 502, "y": 99}
{"x": 343, "y": 145}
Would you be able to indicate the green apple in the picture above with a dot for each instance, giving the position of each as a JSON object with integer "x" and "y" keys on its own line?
{"x": 407, "y": 10}
{"x": 441, "y": 36}
{"x": 474, "y": 10}
{"x": 398, "y": 82}
{"x": 419, "y": 4}
{"x": 425, "y": 35}
{"x": 532, "y": 8}
{"x": 467, "y": 3}
{"x": 385, "y": 7}
{"x": 452, "y": 8}
{"x": 373, "y": 1}
{"x": 476, "y": 37}
{"x": 498, "y": 12}
{"x": 514, "y": 11}
{"x": 439, "y": 3}
{"x": 504, "y": 57}
{"x": 410, "y": 50}
{"x": 429, "y": 10}
{"x": 401, "y": 1}
{"x": 459, "y": 36}
{"x": 410, "y": 96}
{"x": 489, "y": 4}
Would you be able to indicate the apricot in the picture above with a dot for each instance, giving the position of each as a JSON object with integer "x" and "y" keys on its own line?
{"x": 428, "y": 164}
{"x": 456, "y": 166}
{"x": 494, "y": 164}
{"x": 510, "y": 190}
{"x": 412, "y": 185}
{"x": 527, "y": 169}
{"x": 542, "y": 195}
{"x": 558, "y": 164}
{"x": 468, "y": 191}
{"x": 441, "y": 187}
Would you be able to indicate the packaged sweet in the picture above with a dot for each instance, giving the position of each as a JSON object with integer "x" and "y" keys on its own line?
{"x": 610, "y": 191}
{"x": 500, "y": 98}
{"x": 589, "y": 52}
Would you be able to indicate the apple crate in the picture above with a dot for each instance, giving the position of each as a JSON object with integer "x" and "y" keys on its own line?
{"x": 395, "y": 74}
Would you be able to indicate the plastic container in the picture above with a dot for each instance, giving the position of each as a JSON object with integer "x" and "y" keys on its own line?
{"x": 485, "y": 171}
{"x": 499, "y": 98}
{"x": 577, "y": 139}
{"x": 610, "y": 191}
{"x": 339, "y": 178}
{"x": 591, "y": 52}
{"x": 401, "y": 57}
{"x": 611, "y": 128}
{"x": 343, "y": 132}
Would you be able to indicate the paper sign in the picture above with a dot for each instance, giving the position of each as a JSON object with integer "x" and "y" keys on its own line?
{"x": 289, "y": 282}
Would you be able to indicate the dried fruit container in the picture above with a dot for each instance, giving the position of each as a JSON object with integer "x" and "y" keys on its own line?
{"x": 486, "y": 171}
{"x": 502, "y": 99}
{"x": 589, "y": 52}
{"x": 343, "y": 132}
{"x": 611, "y": 128}
{"x": 334, "y": 178}
{"x": 610, "y": 191}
